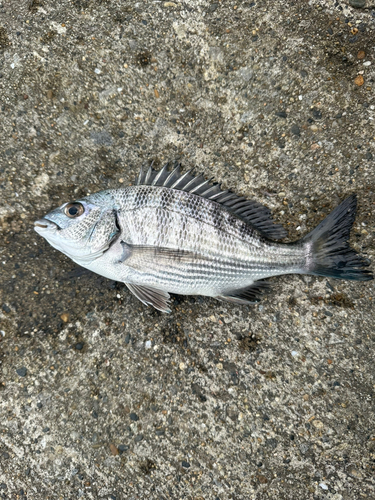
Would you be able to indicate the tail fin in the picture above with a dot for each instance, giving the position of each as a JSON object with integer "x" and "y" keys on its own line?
{"x": 328, "y": 250}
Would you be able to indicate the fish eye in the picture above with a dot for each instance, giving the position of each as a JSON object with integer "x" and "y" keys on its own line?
{"x": 73, "y": 210}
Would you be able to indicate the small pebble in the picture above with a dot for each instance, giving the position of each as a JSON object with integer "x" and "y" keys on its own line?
{"x": 367, "y": 63}
{"x": 22, "y": 371}
{"x": 65, "y": 317}
{"x": 295, "y": 130}
{"x": 113, "y": 449}
{"x": 185, "y": 464}
{"x": 314, "y": 128}
{"x": 317, "y": 114}
{"x": 134, "y": 417}
{"x": 358, "y": 4}
{"x": 79, "y": 346}
{"x": 361, "y": 54}
{"x": 318, "y": 424}
{"x": 359, "y": 80}
{"x": 354, "y": 472}
{"x": 323, "y": 486}
{"x": 148, "y": 344}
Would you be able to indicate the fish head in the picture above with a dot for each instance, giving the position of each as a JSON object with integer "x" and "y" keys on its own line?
{"x": 82, "y": 229}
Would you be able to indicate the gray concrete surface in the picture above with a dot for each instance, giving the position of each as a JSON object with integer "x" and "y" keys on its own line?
{"x": 103, "y": 398}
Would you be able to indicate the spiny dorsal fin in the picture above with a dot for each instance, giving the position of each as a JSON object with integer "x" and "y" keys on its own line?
{"x": 250, "y": 211}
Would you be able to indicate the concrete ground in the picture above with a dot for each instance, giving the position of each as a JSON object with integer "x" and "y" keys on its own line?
{"x": 104, "y": 398}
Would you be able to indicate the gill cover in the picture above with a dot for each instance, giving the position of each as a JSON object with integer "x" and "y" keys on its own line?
{"x": 82, "y": 230}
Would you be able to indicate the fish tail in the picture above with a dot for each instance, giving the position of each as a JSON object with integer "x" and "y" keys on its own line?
{"x": 327, "y": 248}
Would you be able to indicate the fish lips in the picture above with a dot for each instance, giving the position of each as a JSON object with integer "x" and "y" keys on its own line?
{"x": 43, "y": 226}
{"x": 50, "y": 231}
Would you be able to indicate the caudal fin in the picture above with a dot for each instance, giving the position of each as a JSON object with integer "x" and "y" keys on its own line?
{"x": 328, "y": 250}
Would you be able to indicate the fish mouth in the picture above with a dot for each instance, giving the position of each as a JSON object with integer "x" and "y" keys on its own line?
{"x": 43, "y": 225}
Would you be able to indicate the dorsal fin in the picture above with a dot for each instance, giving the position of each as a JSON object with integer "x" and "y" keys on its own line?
{"x": 250, "y": 211}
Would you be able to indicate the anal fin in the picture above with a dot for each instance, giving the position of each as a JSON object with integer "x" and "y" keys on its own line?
{"x": 151, "y": 296}
{"x": 249, "y": 295}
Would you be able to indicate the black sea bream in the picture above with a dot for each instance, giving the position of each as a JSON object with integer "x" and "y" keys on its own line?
{"x": 176, "y": 233}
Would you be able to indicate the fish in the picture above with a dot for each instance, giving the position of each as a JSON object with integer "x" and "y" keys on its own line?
{"x": 180, "y": 233}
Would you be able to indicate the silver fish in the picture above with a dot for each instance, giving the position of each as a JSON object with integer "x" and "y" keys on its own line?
{"x": 179, "y": 233}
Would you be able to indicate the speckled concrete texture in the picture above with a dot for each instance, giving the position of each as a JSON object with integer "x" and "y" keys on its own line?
{"x": 104, "y": 398}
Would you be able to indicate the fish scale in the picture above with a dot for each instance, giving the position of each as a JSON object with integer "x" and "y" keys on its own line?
{"x": 228, "y": 245}
{"x": 174, "y": 233}
{"x": 233, "y": 238}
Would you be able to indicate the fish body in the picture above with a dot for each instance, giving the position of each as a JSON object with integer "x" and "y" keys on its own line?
{"x": 177, "y": 233}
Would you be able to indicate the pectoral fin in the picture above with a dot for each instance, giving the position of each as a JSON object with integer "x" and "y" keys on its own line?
{"x": 142, "y": 257}
{"x": 151, "y": 297}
